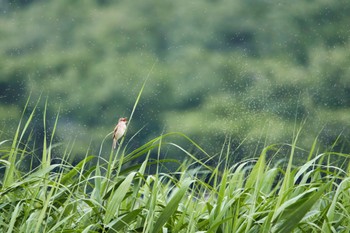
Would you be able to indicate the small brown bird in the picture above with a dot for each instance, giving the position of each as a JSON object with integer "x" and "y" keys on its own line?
{"x": 119, "y": 131}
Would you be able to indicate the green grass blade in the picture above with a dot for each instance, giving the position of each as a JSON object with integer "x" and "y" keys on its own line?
{"x": 256, "y": 175}
{"x": 68, "y": 176}
{"x": 10, "y": 170}
{"x": 118, "y": 196}
{"x": 295, "y": 214}
{"x": 125, "y": 220}
{"x": 332, "y": 212}
{"x": 14, "y": 217}
{"x": 171, "y": 207}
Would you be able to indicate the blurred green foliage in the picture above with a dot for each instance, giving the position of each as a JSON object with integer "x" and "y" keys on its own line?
{"x": 250, "y": 69}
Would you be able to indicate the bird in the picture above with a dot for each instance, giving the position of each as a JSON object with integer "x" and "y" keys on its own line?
{"x": 119, "y": 131}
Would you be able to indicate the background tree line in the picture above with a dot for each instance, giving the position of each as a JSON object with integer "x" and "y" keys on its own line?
{"x": 252, "y": 70}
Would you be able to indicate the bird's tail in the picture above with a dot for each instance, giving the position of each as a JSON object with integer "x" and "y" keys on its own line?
{"x": 115, "y": 142}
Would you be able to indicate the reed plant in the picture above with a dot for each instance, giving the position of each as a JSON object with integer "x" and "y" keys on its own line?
{"x": 122, "y": 194}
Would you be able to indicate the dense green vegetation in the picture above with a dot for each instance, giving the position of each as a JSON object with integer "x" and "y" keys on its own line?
{"x": 242, "y": 126}
{"x": 253, "y": 70}
{"x": 122, "y": 194}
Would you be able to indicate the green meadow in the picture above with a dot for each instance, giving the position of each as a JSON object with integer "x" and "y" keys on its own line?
{"x": 125, "y": 190}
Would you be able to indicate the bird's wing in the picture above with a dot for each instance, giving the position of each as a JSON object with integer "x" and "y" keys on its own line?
{"x": 115, "y": 131}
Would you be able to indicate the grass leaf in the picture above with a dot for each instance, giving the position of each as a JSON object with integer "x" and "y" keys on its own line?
{"x": 117, "y": 197}
{"x": 299, "y": 210}
{"x": 171, "y": 207}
